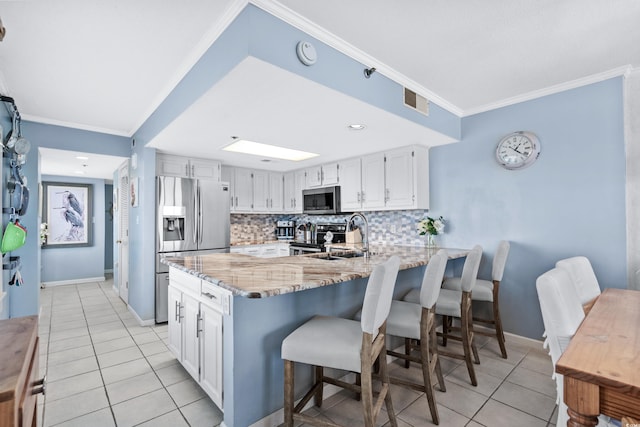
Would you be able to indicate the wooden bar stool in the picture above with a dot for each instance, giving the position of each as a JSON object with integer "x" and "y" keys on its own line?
{"x": 457, "y": 304}
{"x": 346, "y": 345}
{"x": 417, "y": 322}
{"x": 488, "y": 291}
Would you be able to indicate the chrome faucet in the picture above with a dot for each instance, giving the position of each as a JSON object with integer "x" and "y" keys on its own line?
{"x": 365, "y": 235}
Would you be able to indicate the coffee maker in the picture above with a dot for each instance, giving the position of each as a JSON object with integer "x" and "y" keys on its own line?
{"x": 285, "y": 229}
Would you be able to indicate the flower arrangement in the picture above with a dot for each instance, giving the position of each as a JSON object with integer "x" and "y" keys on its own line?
{"x": 44, "y": 232}
{"x": 431, "y": 226}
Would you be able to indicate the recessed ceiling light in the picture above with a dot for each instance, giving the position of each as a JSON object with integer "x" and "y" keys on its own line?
{"x": 82, "y": 158}
{"x": 267, "y": 150}
{"x": 356, "y": 126}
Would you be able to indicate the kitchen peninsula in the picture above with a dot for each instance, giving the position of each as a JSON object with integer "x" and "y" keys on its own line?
{"x": 260, "y": 301}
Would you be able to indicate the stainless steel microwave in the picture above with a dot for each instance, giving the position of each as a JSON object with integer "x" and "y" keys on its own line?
{"x": 321, "y": 201}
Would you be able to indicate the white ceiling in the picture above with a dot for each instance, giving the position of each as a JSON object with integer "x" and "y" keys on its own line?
{"x": 78, "y": 164}
{"x": 106, "y": 66}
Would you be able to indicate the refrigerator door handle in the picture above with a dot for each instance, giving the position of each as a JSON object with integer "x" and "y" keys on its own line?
{"x": 200, "y": 216}
{"x": 195, "y": 212}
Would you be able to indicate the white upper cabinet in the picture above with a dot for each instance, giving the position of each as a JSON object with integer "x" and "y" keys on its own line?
{"x": 391, "y": 180}
{"x": 267, "y": 191}
{"x": 407, "y": 178}
{"x": 373, "y": 181}
{"x": 240, "y": 188}
{"x": 396, "y": 179}
{"x": 320, "y": 176}
{"x": 294, "y": 183}
{"x": 185, "y": 167}
{"x": 350, "y": 185}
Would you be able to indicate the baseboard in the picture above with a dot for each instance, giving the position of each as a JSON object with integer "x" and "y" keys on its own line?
{"x": 141, "y": 322}
{"x": 73, "y": 281}
{"x": 110, "y": 270}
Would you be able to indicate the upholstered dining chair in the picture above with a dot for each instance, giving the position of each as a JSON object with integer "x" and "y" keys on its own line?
{"x": 346, "y": 345}
{"x": 488, "y": 291}
{"x": 456, "y": 304}
{"x": 417, "y": 322}
{"x": 584, "y": 279}
{"x": 561, "y": 314}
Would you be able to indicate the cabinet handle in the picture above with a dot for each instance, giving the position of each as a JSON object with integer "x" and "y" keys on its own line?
{"x": 359, "y": 197}
{"x": 186, "y": 169}
{"x": 177, "y": 310}
{"x": 207, "y": 294}
{"x": 43, "y": 386}
{"x": 319, "y": 177}
{"x": 193, "y": 170}
{"x": 198, "y": 329}
{"x": 386, "y": 195}
{"x": 363, "y": 197}
{"x": 236, "y": 201}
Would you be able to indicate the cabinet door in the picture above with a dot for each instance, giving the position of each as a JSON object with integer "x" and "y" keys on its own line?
{"x": 301, "y": 182}
{"x": 243, "y": 190}
{"x": 260, "y": 191}
{"x": 350, "y": 181}
{"x": 269, "y": 251}
{"x": 289, "y": 191}
{"x": 373, "y": 181}
{"x": 399, "y": 189}
{"x": 211, "y": 353}
{"x": 175, "y": 322}
{"x": 190, "y": 335}
{"x": 276, "y": 192}
{"x": 314, "y": 177}
{"x": 330, "y": 174}
{"x": 169, "y": 165}
{"x": 205, "y": 169}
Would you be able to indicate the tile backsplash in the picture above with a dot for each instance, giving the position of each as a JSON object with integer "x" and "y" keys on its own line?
{"x": 387, "y": 227}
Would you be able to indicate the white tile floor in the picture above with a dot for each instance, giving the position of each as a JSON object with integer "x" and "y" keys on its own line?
{"x": 103, "y": 369}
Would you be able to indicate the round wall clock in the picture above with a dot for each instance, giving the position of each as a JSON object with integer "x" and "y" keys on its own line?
{"x": 518, "y": 150}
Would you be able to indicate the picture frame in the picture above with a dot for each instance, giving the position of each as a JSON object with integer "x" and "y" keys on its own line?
{"x": 67, "y": 210}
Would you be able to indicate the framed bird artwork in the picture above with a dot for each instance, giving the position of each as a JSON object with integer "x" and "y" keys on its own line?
{"x": 67, "y": 213}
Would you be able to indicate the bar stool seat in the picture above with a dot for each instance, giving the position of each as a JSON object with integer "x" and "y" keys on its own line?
{"x": 335, "y": 344}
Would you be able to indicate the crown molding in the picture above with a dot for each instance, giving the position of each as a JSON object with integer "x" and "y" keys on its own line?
{"x": 300, "y": 22}
{"x": 584, "y": 81}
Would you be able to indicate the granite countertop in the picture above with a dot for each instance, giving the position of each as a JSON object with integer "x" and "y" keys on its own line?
{"x": 254, "y": 277}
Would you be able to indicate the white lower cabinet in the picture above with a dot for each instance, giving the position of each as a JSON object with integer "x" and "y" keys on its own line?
{"x": 196, "y": 310}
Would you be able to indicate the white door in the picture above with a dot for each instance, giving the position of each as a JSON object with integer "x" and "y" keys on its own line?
{"x": 123, "y": 231}
{"x": 175, "y": 322}
{"x": 399, "y": 178}
{"x": 350, "y": 188}
{"x": 373, "y": 181}
{"x": 191, "y": 335}
{"x": 211, "y": 353}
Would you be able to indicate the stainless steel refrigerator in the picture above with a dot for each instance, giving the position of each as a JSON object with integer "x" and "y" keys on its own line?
{"x": 192, "y": 217}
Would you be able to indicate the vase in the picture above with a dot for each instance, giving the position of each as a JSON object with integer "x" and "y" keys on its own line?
{"x": 431, "y": 241}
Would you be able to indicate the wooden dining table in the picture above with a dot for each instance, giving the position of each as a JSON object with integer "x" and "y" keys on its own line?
{"x": 601, "y": 365}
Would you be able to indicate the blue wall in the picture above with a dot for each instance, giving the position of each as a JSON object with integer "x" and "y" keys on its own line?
{"x": 570, "y": 202}
{"x": 85, "y": 262}
{"x": 24, "y": 300}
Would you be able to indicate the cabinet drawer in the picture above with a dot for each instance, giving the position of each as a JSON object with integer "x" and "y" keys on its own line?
{"x": 185, "y": 281}
{"x": 215, "y": 297}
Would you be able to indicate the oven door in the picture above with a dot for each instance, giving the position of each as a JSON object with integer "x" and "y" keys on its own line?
{"x": 301, "y": 250}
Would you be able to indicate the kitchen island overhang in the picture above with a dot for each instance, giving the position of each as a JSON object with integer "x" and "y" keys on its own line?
{"x": 271, "y": 298}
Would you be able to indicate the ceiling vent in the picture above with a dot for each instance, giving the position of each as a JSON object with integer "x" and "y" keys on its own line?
{"x": 415, "y": 101}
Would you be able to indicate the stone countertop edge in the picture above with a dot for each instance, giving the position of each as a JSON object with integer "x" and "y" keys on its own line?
{"x": 298, "y": 273}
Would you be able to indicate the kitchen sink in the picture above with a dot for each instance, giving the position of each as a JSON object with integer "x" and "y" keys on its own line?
{"x": 332, "y": 256}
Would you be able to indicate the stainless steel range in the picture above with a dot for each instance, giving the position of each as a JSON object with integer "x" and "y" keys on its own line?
{"x": 325, "y": 233}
